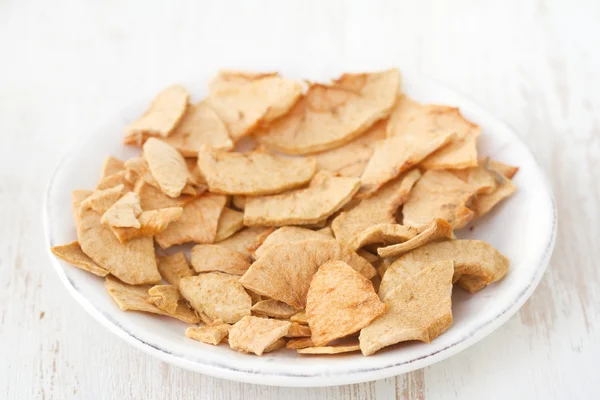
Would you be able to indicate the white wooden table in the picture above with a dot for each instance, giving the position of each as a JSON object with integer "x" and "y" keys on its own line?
{"x": 65, "y": 66}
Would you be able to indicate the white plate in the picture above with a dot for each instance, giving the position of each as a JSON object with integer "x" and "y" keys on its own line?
{"x": 523, "y": 228}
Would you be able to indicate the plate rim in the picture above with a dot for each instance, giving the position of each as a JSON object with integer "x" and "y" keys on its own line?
{"x": 289, "y": 379}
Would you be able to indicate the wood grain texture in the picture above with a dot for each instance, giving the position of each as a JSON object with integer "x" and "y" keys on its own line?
{"x": 68, "y": 65}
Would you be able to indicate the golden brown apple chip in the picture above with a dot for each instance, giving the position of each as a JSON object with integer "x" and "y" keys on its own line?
{"x": 329, "y": 116}
{"x": 485, "y": 202}
{"x": 437, "y": 229}
{"x": 298, "y": 330}
{"x": 218, "y": 295}
{"x": 302, "y": 206}
{"x": 419, "y": 307}
{"x": 200, "y": 125}
{"x": 287, "y": 234}
{"x": 197, "y": 224}
{"x": 151, "y": 223}
{"x": 124, "y": 212}
{"x": 72, "y": 254}
{"x": 102, "y": 200}
{"x": 239, "y": 202}
{"x": 233, "y": 79}
{"x": 273, "y": 308}
{"x": 400, "y": 153}
{"x": 173, "y": 268}
{"x": 299, "y": 318}
{"x": 167, "y": 166}
{"x": 78, "y": 197}
{"x": 507, "y": 170}
{"x": 461, "y": 152}
{"x": 384, "y": 234}
{"x": 340, "y": 301}
{"x": 132, "y": 262}
{"x": 162, "y": 116}
{"x": 119, "y": 178}
{"x": 165, "y": 297}
{"x": 335, "y": 349}
{"x": 211, "y": 334}
{"x": 111, "y": 166}
{"x": 151, "y": 198}
{"x": 243, "y": 107}
{"x": 439, "y": 194}
{"x": 253, "y": 173}
{"x": 500, "y": 188}
{"x": 299, "y": 343}
{"x": 377, "y": 209}
{"x": 212, "y": 257}
{"x": 352, "y": 158}
{"x": 255, "y": 334}
{"x": 284, "y": 272}
{"x": 230, "y": 222}
{"x": 247, "y": 240}
{"x": 472, "y": 258}
{"x": 135, "y": 298}
{"x": 278, "y": 344}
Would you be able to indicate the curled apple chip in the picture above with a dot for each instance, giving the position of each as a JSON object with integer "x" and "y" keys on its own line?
{"x": 200, "y": 125}
{"x": 437, "y": 229}
{"x": 198, "y": 223}
{"x": 218, "y": 295}
{"x": 119, "y": 178}
{"x": 253, "y": 173}
{"x": 212, "y": 257}
{"x": 273, "y": 308}
{"x": 212, "y": 333}
{"x": 299, "y": 318}
{"x": 124, "y": 212}
{"x": 72, "y": 254}
{"x": 243, "y": 107}
{"x": 102, "y": 199}
{"x": 384, "y": 234}
{"x": 132, "y": 262}
{"x": 419, "y": 304}
{"x": 247, "y": 240}
{"x": 233, "y": 79}
{"x": 334, "y": 349}
{"x": 299, "y": 343}
{"x": 298, "y": 330}
{"x": 287, "y": 234}
{"x": 135, "y": 298}
{"x": 439, "y": 194}
{"x": 352, "y": 158}
{"x": 461, "y": 152}
{"x": 329, "y": 116}
{"x": 111, "y": 165}
{"x": 339, "y": 302}
{"x": 503, "y": 187}
{"x": 400, "y": 153}
{"x": 173, "y": 268}
{"x": 151, "y": 223}
{"x": 167, "y": 166}
{"x": 152, "y": 198}
{"x": 472, "y": 259}
{"x": 165, "y": 297}
{"x": 255, "y": 334}
{"x": 239, "y": 202}
{"x": 162, "y": 116}
{"x": 284, "y": 272}
{"x": 377, "y": 209}
{"x": 325, "y": 196}
{"x": 484, "y": 203}
{"x": 230, "y": 222}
